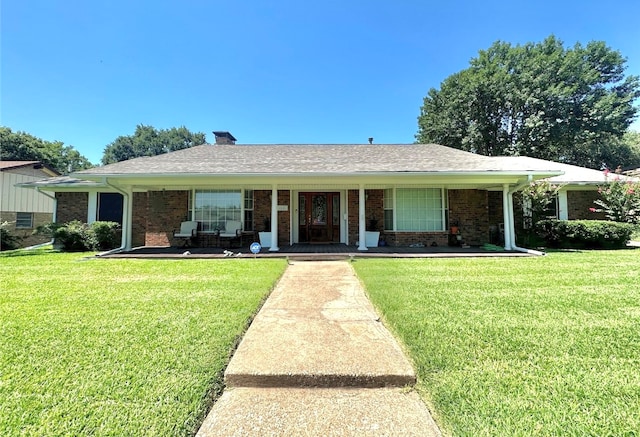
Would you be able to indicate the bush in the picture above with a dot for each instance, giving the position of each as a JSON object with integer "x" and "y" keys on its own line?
{"x": 584, "y": 234}
{"x": 7, "y": 240}
{"x": 105, "y": 234}
{"x": 76, "y": 236}
{"x": 619, "y": 200}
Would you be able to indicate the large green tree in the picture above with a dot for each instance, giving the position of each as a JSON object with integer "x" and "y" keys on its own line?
{"x": 149, "y": 141}
{"x": 21, "y": 146}
{"x": 543, "y": 100}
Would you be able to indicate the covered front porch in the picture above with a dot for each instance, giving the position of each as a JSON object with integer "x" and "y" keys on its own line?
{"x": 317, "y": 252}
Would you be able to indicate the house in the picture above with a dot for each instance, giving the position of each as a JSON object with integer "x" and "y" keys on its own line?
{"x": 25, "y": 209}
{"x": 318, "y": 194}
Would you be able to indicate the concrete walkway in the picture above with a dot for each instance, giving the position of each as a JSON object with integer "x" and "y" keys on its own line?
{"x": 317, "y": 361}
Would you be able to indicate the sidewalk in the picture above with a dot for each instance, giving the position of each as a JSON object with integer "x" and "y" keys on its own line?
{"x": 317, "y": 361}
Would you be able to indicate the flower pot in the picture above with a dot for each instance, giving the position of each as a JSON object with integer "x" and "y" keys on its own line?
{"x": 265, "y": 239}
{"x": 371, "y": 238}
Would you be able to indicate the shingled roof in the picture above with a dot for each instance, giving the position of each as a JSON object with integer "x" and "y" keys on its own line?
{"x": 316, "y": 159}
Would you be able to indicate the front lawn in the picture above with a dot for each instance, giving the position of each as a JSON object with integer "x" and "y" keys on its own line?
{"x": 520, "y": 346}
{"x": 119, "y": 347}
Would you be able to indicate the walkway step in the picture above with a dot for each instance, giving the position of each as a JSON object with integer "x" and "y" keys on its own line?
{"x": 318, "y": 412}
{"x": 306, "y": 363}
{"x": 318, "y": 329}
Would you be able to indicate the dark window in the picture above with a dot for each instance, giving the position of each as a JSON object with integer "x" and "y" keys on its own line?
{"x": 110, "y": 207}
{"x": 24, "y": 220}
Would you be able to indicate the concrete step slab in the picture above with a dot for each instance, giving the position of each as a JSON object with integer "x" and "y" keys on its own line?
{"x": 319, "y": 412}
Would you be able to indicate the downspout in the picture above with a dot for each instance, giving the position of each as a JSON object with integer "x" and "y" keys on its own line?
{"x": 512, "y": 223}
{"x": 123, "y": 243}
{"x": 53, "y": 219}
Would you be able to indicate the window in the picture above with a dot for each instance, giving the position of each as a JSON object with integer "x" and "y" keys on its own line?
{"x": 213, "y": 208}
{"x": 416, "y": 209}
{"x": 387, "y": 202}
{"x": 248, "y": 210}
{"x": 24, "y": 220}
{"x": 110, "y": 207}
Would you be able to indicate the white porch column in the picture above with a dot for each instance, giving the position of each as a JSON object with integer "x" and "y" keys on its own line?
{"x": 127, "y": 218}
{"x": 512, "y": 221}
{"x": 92, "y": 210}
{"x": 274, "y": 219}
{"x": 507, "y": 212}
{"x": 563, "y": 205}
{"x": 362, "y": 245}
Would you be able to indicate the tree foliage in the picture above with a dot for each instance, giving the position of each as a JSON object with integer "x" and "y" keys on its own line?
{"x": 21, "y": 146}
{"x": 148, "y": 141}
{"x": 542, "y": 100}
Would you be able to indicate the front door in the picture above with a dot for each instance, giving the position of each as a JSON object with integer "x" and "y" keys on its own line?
{"x": 319, "y": 217}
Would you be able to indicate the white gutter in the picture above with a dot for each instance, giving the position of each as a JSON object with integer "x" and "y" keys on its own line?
{"x": 512, "y": 221}
{"x": 53, "y": 219}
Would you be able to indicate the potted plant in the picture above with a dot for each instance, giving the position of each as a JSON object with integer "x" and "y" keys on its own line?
{"x": 265, "y": 236}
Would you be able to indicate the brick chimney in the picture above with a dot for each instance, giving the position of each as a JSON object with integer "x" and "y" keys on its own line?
{"x": 223, "y": 137}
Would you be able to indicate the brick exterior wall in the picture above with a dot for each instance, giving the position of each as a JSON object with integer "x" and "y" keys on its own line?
{"x": 139, "y": 219}
{"x": 496, "y": 217}
{"x": 72, "y": 206}
{"x": 25, "y": 235}
{"x": 352, "y": 222}
{"x": 470, "y": 208}
{"x": 261, "y": 209}
{"x": 396, "y": 239}
{"x": 166, "y": 210}
{"x": 578, "y": 204}
{"x": 284, "y": 218}
{"x": 262, "y": 212}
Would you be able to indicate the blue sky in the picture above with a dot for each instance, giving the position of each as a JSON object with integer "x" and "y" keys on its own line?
{"x": 85, "y": 72}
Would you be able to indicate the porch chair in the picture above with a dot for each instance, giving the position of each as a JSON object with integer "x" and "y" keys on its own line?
{"x": 232, "y": 231}
{"x": 188, "y": 231}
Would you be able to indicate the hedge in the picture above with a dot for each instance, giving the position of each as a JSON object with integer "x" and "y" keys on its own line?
{"x": 584, "y": 234}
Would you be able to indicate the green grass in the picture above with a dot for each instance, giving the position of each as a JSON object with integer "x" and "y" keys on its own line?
{"x": 119, "y": 347}
{"x": 527, "y": 346}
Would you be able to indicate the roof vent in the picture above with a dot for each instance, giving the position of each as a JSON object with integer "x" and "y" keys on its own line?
{"x": 370, "y": 140}
{"x": 224, "y": 137}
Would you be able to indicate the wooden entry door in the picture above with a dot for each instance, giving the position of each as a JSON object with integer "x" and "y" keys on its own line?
{"x": 319, "y": 217}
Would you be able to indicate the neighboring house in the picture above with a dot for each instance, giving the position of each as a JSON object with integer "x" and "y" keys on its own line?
{"x": 25, "y": 209}
{"x": 412, "y": 194}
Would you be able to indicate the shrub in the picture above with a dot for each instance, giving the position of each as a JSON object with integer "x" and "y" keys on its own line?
{"x": 76, "y": 236}
{"x": 619, "y": 200}
{"x": 105, "y": 234}
{"x": 584, "y": 234}
{"x": 8, "y": 241}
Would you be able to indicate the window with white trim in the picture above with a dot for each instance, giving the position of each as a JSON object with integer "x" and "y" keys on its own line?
{"x": 387, "y": 201}
{"x": 24, "y": 220}
{"x": 415, "y": 209}
{"x": 248, "y": 210}
{"x": 213, "y": 208}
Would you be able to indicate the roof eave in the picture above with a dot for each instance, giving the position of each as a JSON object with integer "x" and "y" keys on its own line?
{"x": 538, "y": 173}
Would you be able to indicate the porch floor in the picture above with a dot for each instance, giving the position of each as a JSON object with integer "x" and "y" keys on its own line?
{"x": 316, "y": 252}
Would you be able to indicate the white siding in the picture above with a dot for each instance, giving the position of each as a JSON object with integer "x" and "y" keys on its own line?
{"x": 17, "y": 199}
